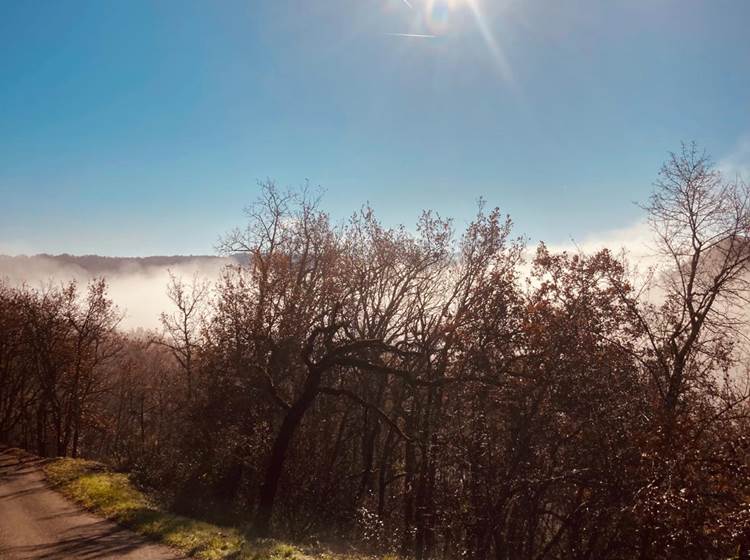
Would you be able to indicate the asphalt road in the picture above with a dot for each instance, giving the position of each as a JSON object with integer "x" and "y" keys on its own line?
{"x": 38, "y": 523}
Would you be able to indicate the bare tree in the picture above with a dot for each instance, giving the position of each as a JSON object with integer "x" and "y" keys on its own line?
{"x": 182, "y": 326}
{"x": 702, "y": 227}
{"x": 93, "y": 322}
{"x": 406, "y": 389}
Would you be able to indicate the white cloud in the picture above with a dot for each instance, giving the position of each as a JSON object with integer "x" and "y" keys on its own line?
{"x": 140, "y": 291}
{"x": 636, "y": 240}
{"x": 737, "y": 162}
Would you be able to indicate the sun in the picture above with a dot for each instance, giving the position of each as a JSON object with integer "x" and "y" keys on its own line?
{"x": 440, "y": 16}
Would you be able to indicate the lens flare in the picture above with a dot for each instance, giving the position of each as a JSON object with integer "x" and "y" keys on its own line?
{"x": 501, "y": 61}
{"x": 438, "y": 14}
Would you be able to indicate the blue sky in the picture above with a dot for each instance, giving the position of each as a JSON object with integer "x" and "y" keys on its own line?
{"x": 142, "y": 127}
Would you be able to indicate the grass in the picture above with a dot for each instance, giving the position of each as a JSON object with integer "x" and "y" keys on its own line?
{"x": 113, "y": 495}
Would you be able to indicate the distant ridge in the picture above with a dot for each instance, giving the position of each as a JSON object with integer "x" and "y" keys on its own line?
{"x": 97, "y": 264}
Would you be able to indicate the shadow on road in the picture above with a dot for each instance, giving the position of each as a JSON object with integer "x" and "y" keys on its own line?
{"x": 98, "y": 540}
{"x": 37, "y": 523}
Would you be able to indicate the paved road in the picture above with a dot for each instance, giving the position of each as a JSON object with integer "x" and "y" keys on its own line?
{"x": 38, "y": 523}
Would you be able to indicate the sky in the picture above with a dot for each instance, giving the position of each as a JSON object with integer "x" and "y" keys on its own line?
{"x": 142, "y": 127}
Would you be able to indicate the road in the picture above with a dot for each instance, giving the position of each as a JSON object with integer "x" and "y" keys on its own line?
{"x": 38, "y": 523}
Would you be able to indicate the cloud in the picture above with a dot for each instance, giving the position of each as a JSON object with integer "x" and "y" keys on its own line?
{"x": 636, "y": 240}
{"x": 139, "y": 290}
{"x": 142, "y": 293}
{"x": 737, "y": 162}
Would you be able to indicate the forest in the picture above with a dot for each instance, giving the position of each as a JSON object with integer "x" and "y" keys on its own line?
{"x": 428, "y": 391}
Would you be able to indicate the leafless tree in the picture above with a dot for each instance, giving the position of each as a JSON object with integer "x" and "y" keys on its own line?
{"x": 182, "y": 326}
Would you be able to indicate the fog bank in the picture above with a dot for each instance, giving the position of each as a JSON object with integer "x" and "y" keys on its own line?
{"x": 137, "y": 285}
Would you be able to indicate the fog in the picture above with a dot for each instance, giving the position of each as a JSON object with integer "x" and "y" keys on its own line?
{"x": 137, "y": 286}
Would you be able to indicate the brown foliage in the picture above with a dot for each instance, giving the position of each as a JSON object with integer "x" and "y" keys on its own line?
{"x": 421, "y": 391}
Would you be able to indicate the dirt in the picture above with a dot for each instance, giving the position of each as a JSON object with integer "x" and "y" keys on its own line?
{"x": 38, "y": 523}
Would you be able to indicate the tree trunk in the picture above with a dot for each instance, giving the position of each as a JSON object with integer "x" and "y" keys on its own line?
{"x": 409, "y": 481}
{"x": 279, "y": 450}
{"x": 41, "y": 436}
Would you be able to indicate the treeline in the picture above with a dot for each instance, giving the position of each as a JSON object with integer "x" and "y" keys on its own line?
{"x": 423, "y": 392}
{"x": 97, "y": 265}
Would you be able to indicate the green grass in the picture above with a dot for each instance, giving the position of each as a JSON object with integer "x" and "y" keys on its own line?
{"x": 113, "y": 495}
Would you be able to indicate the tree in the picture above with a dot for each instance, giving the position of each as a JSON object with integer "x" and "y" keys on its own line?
{"x": 702, "y": 227}
{"x": 692, "y": 345}
{"x": 17, "y": 391}
{"x": 93, "y": 323}
{"x": 181, "y": 327}
{"x": 423, "y": 391}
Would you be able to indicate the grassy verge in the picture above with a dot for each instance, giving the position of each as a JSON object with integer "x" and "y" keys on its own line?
{"x": 115, "y": 497}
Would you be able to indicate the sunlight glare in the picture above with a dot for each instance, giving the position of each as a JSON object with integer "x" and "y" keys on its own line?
{"x": 438, "y": 13}
{"x": 442, "y": 16}
{"x": 501, "y": 61}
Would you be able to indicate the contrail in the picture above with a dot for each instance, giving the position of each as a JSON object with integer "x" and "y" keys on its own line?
{"x": 413, "y": 35}
{"x": 408, "y": 4}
